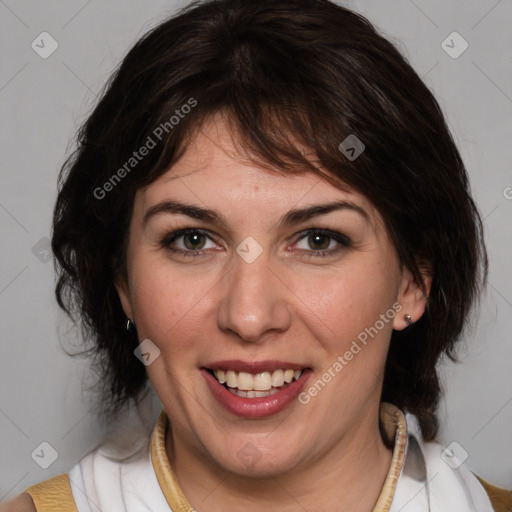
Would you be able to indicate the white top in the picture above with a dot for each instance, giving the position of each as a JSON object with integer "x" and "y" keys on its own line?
{"x": 132, "y": 474}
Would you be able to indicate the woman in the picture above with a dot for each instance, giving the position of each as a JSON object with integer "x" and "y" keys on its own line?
{"x": 267, "y": 216}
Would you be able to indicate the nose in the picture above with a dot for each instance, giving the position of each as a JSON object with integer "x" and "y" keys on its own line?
{"x": 254, "y": 301}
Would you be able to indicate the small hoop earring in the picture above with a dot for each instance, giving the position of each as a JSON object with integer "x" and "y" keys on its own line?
{"x": 408, "y": 319}
{"x": 130, "y": 325}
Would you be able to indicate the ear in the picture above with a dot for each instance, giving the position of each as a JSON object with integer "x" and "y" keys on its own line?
{"x": 123, "y": 290}
{"x": 412, "y": 298}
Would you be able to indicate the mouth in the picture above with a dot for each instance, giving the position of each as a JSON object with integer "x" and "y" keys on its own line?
{"x": 255, "y": 390}
{"x": 263, "y": 384}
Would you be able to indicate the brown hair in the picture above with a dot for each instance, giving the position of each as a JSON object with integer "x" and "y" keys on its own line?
{"x": 286, "y": 72}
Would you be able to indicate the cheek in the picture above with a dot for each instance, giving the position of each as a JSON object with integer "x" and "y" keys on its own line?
{"x": 176, "y": 308}
{"x": 338, "y": 308}
{"x": 168, "y": 305}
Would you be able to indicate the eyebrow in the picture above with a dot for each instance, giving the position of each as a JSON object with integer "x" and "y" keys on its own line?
{"x": 292, "y": 217}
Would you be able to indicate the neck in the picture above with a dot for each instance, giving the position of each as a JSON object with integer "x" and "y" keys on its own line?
{"x": 347, "y": 477}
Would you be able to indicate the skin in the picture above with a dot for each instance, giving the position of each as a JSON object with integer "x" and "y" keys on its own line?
{"x": 22, "y": 503}
{"x": 290, "y": 305}
{"x": 323, "y": 455}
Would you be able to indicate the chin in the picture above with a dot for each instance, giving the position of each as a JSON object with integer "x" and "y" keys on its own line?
{"x": 255, "y": 457}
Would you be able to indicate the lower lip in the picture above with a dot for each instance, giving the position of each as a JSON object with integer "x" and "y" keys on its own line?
{"x": 255, "y": 407}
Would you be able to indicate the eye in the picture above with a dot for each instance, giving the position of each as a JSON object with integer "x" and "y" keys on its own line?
{"x": 192, "y": 242}
{"x": 188, "y": 242}
{"x": 322, "y": 242}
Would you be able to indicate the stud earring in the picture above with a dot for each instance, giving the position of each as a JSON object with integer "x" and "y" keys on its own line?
{"x": 408, "y": 319}
{"x": 130, "y": 325}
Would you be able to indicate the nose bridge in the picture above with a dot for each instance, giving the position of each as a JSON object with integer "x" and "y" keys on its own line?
{"x": 253, "y": 300}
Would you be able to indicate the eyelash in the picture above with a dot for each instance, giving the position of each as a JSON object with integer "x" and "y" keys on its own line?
{"x": 343, "y": 241}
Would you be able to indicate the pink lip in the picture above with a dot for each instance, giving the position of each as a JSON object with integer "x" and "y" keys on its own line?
{"x": 255, "y": 407}
{"x": 254, "y": 367}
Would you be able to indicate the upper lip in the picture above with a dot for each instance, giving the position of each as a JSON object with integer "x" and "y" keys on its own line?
{"x": 254, "y": 366}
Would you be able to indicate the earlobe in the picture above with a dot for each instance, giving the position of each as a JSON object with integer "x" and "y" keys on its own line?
{"x": 412, "y": 299}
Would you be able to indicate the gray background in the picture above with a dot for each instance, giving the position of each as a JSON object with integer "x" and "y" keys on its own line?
{"x": 42, "y": 101}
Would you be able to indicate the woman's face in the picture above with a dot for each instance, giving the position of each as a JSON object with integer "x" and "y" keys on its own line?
{"x": 257, "y": 293}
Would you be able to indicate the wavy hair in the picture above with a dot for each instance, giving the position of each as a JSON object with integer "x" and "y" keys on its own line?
{"x": 287, "y": 73}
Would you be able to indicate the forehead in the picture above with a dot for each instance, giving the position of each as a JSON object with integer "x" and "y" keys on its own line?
{"x": 215, "y": 171}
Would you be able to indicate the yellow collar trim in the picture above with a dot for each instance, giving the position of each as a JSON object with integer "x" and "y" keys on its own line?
{"x": 393, "y": 420}
{"x": 163, "y": 470}
{"x": 391, "y": 417}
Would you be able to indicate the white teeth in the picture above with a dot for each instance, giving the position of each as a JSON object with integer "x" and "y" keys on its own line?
{"x": 244, "y": 381}
{"x": 231, "y": 379}
{"x": 277, "y": 378}
{"x": 259, "y": 394}
{"x": 253, "y": 394}
{"x": 288, "y": 376}
{"x": 262, "y": 381}
{"x": 254, "y": 386}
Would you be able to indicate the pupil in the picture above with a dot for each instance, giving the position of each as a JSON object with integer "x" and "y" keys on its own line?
{"x": 317, "y": 241}
{"x": 193, "y": 238}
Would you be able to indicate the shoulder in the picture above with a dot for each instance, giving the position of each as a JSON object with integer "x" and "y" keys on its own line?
{"x": 53, "y": 495}
{"x": 22, "y": 503}
{"x": 455, "y": 484}
{"x": 501, "y": 499}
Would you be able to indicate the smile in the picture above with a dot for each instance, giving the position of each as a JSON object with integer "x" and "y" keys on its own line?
{"x": 255, "y": 393}
{"x": 256, "y": 386}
